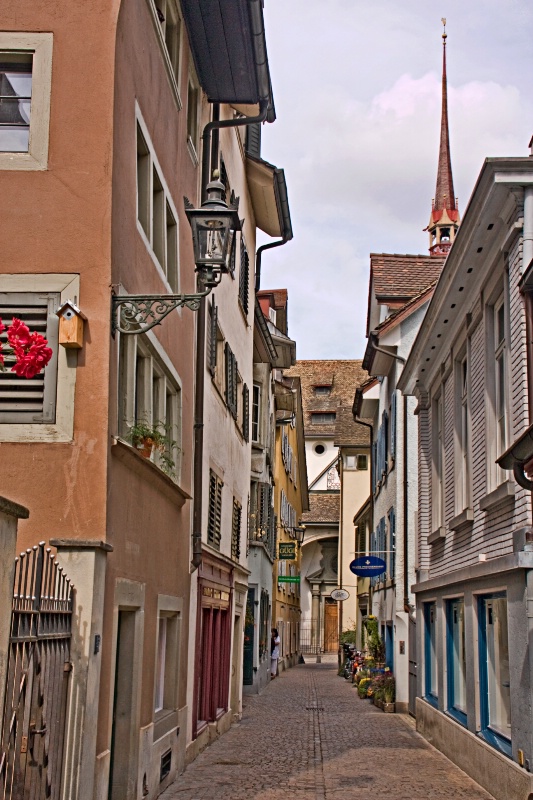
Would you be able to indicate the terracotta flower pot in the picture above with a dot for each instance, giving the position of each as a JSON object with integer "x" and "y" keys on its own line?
{"x": 145, "y": 447}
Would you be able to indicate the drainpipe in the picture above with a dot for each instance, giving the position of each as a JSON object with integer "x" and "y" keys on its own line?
{"x": 287, "y": 226}
{"x": 406, "y": 605}
{"x": 209, "y": 156}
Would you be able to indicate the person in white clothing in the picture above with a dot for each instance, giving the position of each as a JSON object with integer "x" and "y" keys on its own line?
{"x": 275, "y": 642}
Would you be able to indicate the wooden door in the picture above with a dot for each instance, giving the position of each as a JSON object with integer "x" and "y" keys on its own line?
{"x": 331, "y": 626}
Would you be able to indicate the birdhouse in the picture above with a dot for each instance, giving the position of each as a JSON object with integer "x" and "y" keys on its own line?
{"x": 71, "y": 321}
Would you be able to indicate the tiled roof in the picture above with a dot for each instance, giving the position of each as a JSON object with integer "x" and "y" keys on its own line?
{"x": 323, "y": 508}
{"x": 349, "y": 433}
{"x": 344, "y": 377}
{"x": 402, "y": 277}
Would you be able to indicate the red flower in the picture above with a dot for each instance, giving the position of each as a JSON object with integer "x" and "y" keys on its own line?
{"x": 30, "y": 350}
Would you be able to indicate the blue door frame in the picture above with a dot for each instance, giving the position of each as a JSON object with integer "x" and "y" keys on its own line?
{"x": 502, "y": 743}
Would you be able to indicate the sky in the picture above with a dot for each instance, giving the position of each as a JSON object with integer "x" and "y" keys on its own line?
{"x": 357, "y": 89}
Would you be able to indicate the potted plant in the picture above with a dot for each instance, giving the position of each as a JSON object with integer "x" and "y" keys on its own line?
{"x": 363, "y": 686}
{"x": 146, "y": 438}
{"x": 389, "y": 694}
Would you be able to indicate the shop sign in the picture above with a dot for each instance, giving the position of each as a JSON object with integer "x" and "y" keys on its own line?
{"x": 287, "y": 551}
{"x": 368, "y": 566}
{"x": 339, "y": 594}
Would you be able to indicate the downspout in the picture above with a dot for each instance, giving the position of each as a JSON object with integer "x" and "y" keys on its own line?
{"x": 287, "y": 227}
{"x": 406, "y": 605}
{"x": 209, "y": 156}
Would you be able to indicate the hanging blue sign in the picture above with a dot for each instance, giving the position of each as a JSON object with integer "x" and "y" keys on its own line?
{"x": 368, "y": 566}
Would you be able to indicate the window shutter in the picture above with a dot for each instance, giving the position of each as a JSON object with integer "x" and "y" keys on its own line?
{"x": 244, "y": 278}
{"x": 30, "y": 400}
{"x": 214, "y": 521}
{"x": 229, "y": 384}
{"x": 245, "y": 413}
{"x": 393, "y": 425}
{"x": 213, "y": 327}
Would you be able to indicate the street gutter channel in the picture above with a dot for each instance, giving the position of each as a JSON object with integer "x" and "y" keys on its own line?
{"x": 315, "y": 727}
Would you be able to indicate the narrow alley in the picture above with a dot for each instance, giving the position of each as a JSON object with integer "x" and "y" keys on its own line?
{"x": 310, "y": 737}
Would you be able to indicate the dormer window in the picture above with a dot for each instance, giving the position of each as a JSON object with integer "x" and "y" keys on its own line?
{"x": 322, "y": 390}
{"x": 323, "y": 418}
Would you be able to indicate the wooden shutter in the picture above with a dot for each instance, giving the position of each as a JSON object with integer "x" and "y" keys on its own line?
{"x": 32, "y": 400}
{"x": 245, "y": 413}
{"x": 244, "y": 277}
{"x": 214, "y": 520}
{"x": 231, "y": 381}
{"x": 212, "y": 345}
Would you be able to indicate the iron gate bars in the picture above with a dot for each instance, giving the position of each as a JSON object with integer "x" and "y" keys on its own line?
{"x": 31, "y": 753}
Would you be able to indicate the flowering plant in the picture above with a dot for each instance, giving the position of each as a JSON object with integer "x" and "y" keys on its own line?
{"x": 29, "y": 350}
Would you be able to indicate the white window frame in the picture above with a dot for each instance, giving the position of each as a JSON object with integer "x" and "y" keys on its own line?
{"x": 167, "y": 662}
{"x": 193, "y": 143}
{"x": 463, "y": 428}
{"x": 256, "y": 413}
{"x": 498, "y": 416}
{"x": 437, "y": 461}
{"x": 40, "y": 44}
{"x": 62, "y": 430}
{"x": 173, "y": 70}
{"x": 153, "y": 403}
{"x": 161, "y": 260}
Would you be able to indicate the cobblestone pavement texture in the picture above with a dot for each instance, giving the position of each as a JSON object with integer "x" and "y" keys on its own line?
{"x": 309, "y": 737}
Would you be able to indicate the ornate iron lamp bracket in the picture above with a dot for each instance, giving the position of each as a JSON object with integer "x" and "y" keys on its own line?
{"x": 134, "y": 313}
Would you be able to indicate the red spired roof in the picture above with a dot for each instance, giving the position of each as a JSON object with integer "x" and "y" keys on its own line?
{"x": 399, "y": 278}
{"x": 444, "y": 193}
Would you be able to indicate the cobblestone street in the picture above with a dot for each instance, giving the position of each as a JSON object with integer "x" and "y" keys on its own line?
{"x": 308, "y": 736}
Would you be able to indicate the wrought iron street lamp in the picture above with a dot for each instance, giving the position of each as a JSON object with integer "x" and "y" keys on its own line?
{"x": 299, "y": 534}
{"x": 213, "y": 229}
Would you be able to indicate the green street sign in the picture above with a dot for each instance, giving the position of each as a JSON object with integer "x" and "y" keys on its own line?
{"x": 289, "y": 579}
{"x": 287, "y": 551}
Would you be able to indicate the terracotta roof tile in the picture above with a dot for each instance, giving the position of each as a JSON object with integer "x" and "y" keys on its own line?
{"x": 402, "y": 277}
{"x": 323, "y": 508}
{"x": 349, "y": 433}
{"x": 344, "y": 376}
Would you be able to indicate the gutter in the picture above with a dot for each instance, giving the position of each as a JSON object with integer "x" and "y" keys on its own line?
{"x": 280, "y": 188}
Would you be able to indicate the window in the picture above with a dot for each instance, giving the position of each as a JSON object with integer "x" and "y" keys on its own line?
{"x": 463, "y": 492}
{"x": 390, "y": 557}
{"x": 322, "y": 390}
{"x": 214, "y": 519}
{"x": 236, "y": 530}
{"x": 156, "y": 214}
{"x": 319, "y": 449}
{"x": 256, "y": 408}
{"x": 166, "y": 700}
{"x": 456, "y": 659}
{"x": 193, "y": 113}
{"x": 437, "y": 495}
{"x": 323, "y": 418}
{"x": 494, "y": 675}
{"x": 171, "y": 26}
{"x": 430, "y": 652}
{"x": 42, "y": 408}
{"x": 30, "y": 400}
{"x": 362, "y": 462}
{"x": 244, "y": 277}
{"x": 150, "y": 392}
{"x": 25, "y": 85}
{"x": 500, "y": 382}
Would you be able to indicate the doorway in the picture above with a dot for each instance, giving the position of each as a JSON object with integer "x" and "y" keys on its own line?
{"x": 122, "y": 784}
{"x": 331, "y": 626}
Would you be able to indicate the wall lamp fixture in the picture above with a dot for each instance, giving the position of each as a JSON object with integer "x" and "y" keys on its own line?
{"x": 213, "y": 229}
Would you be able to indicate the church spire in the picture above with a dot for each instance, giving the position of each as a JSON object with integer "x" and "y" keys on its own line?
{"x": 444, "y": 219}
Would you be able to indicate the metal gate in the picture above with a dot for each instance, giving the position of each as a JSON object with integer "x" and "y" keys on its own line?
{"x": 412, "y": 667}
{"x": 37, "y": 679}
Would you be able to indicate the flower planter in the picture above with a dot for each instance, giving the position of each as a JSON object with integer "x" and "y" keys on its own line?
{"x": 145, "y": 447}
{"x": 389, "y": 708}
